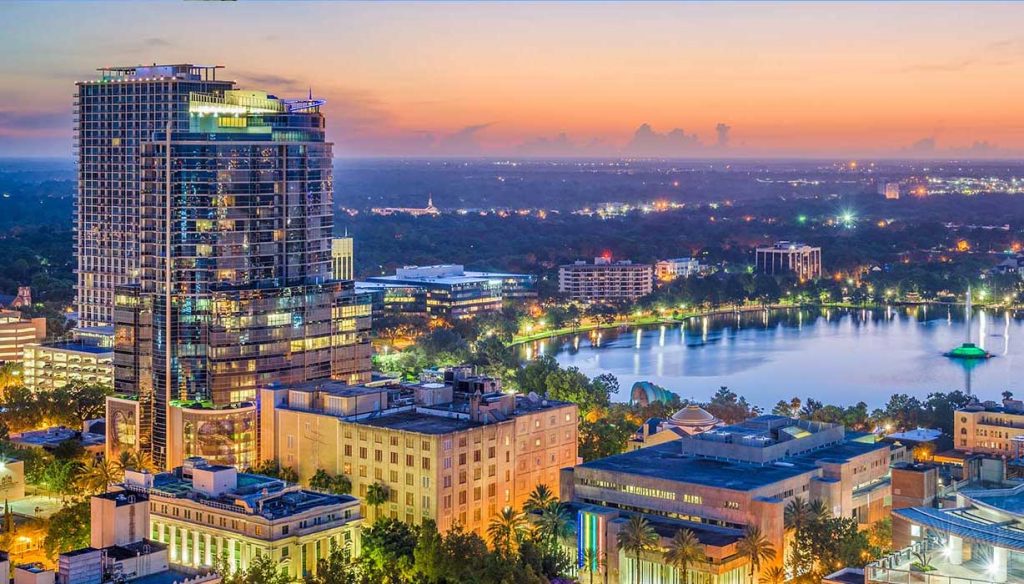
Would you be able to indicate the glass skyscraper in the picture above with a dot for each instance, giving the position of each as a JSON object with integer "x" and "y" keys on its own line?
{"x": 233, "y": 289}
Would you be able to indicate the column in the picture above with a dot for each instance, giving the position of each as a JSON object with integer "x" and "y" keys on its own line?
{"x": 999, "y": 560}
{"x": 195, "y": 548}
{"x": 955, "y": 547}
{"x": 173, "y": 542}
{"x": 208, "y": 560}
{"x": 231, "y": 553}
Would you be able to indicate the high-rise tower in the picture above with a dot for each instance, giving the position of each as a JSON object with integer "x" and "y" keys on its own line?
{"x": 114, "y": 116}
{"x": 234, "y": 289}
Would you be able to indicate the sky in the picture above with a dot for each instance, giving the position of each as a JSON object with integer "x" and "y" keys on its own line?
{"x": 689, "y": 79}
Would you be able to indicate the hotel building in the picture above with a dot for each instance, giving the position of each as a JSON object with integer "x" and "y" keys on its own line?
{"x": 457, "y": 450}
{"x": 233, "y": 232}
{"x": 787, "y": 257}
{"x": 718, "y": 482}
{"x": 605, "y": 280}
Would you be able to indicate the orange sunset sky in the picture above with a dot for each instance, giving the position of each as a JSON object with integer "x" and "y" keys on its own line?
{"x": 503, "y": 79}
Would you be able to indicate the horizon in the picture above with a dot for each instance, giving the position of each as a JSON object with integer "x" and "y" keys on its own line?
{"x": 744, "y": 81}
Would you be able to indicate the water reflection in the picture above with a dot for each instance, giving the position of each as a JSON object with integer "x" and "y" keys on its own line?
{"x": 834, "y": 355}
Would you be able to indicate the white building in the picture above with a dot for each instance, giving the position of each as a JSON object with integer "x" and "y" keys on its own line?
{"x": 790, "y": 257}
{"x": 668, "y": 270}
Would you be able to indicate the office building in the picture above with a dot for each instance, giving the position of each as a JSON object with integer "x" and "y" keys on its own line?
{"x": 447, "y": 291}
{"x": 234, "y": 289}
{"x": 115, "y": 116}
{"x": 456, "y": 450}
{"x": 787, "y": 257}
{"x": 892, "y": 191}
{"x": 605, "y": 280}
{"x": 668, "y": 270}
{"x": 976, "y": 538}
{"x": 201, "y": 512}
{"x": 990, "y": 428}
{"x": 17, "y": 332}
{"x": 53, "y": 365}
{"x": 342, "y": 258}
{"x": 722, "y": 480}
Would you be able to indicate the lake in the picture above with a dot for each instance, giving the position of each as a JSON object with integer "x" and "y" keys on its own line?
{"x": 838, "y": 356}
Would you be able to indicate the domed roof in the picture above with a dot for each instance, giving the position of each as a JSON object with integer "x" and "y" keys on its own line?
{"x": 692, "y": 415}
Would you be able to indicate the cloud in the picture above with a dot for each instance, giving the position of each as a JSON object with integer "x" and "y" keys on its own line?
{"x": 268, "y": 81}
{"x": 923, "y": 146}
{"x": 561, "y": 146}
{"x": 647, "y": 142}
{"x": 34, "y": 123}
{"x": 722, "y": 130}
{"x": 464, "y": 142}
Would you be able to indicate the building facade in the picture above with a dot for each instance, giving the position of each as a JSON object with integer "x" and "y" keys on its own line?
{"x": 115, "y": 116}
{"x": 16, "y": 333}
{"x": 786, "y": 257}
{"x": 727, "y": 478}
{"x": 447, "y": 291}
{"x": 234, "y": 287}
{"x": 342, "y": 258}
{"x": 990, "y": 428}
{"x": 455, "y": 451}
{"x": 668, "y": 270}
{"x": 52, "y": 366}
{"x": 605, "y": 280}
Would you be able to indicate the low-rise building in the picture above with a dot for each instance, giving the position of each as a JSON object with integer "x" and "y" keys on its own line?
{"x": 53, "y": 365}
{"x": 203, "y": 512}
{"x": 990, "y": 428}
{"x": 789, "y": 257}
{"x": 605, "y": 280}
{"x": 447, "y": 291}
{"x": 17, "y": 332}
{"x": 456, "y": 449}
{"x": 668, "y": 270}
{"x": 688, "y": 421}
{"x": 729, "y": 478}
{"x": 50, "y": 438}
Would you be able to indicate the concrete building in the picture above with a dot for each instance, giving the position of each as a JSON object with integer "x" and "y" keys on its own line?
{"x": 605, "y": 280}
{"x": 50, "y": 438}
{"x": 53, "y": 365}
{"x": 239, "y": 293}
{"x": 990, "y": 428}
{"x": 16, "y": 333}
{"x": 342, "y": 258}
{"x": 447, "y": 291}
{"x": 688, "y": 421}
{"x": 787, "y": 257}
{"x": 721, "y": 481}
{"x": 202, "y": 512}
{"x": 457, "y": 450}
{"x": 668, "y": 270}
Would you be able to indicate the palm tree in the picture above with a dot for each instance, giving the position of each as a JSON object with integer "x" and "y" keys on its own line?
{"x": 637, "y": 537}
{"x": 506, "y": 530}
{"x": 797, "y": 514}
{"x": 376, "y": 495}
{"x": 756, "y": 547}
{"x": 593, "y": 561}
{"x": 819, "y": 510}
{"x": 97, "y": 477}
{"x": 684, "y": 549}
{"x": 776, "y": 575}
{"x": 539, "y": 498}
{"x": 553, "y": 525}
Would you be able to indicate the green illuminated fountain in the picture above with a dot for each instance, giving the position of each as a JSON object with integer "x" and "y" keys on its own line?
{"x": 968, "y": 350}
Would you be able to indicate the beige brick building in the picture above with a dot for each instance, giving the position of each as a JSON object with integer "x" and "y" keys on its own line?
{"x": 457, "y": 452}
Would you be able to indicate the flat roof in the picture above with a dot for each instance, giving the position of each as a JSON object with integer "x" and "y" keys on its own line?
{"x": 419, "y": 422}
{"x": 80, "y": 348}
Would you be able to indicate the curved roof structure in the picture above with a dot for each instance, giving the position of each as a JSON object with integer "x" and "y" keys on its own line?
{"x": 645, "y": 393}
{"x": 693, "y": 416}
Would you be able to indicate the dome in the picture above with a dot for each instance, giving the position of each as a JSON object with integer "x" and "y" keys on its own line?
{"x": 692, "y": 415}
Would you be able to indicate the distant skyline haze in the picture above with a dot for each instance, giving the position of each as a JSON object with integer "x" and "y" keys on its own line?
{"x": 798, "y": 79}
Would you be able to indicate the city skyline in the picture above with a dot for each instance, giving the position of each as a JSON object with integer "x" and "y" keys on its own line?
{"x": 791, "y": 80}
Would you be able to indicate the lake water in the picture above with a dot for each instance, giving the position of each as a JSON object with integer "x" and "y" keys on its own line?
{"x": 838, "y": 356}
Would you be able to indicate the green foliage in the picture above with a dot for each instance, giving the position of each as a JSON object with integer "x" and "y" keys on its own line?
{"x": 23, "y": 409}
{"x": 823, "y": 543}
{"x": 323, "y": 482}
{"x": 337, "y": 568}
{"x": 729, "y": 407}
{"x": 68, "y": 529}
{"x": 388, "y": 547}
{"x": 272, "y": 468}
{"x": 262, "y": 570}
{"x": 635, "y": 538}
{"x": 606, "y": 434}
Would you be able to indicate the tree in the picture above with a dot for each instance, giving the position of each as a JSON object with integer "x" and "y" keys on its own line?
{"x": 10, "y": 375}
{"x": 593, "y": 561}
{"x": 553, "y": 525}
{"x": 67, "y": 530}
{"x": 636, "y": 537}
{"x": 797, "y": 514}
{"x": 337, "y": 568}
{"x": 776, "y": 575}
{"x": 506, "y": 530}
{"x": 97, "y": 477}
{"x": 58, "y": 477}
{"x": 262, "y": 570}
{"x": 273, "y": 469}
{"x": 376, "y": 495}
{"x": 924, "y": 452}
{"x": 325, "y": 483}
{"x": 389, "y": 546}
{"x": 539, "y": 498}
{"x": 571, "y": 385}
{"x": 533, "y": 376}
{"x": 756, "y": 548}
{"x": 684, "y": 550}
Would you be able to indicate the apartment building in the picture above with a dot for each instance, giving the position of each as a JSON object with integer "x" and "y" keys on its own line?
{"x": 605, "y": 280}
{"x": 16, "y": 333}
{"x": 990, "y": 428}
